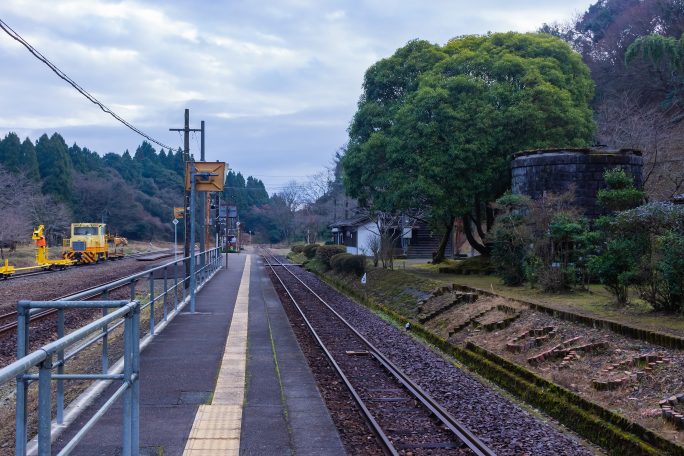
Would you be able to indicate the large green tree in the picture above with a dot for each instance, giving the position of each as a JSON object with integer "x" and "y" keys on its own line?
{"x": 437, "y": 129}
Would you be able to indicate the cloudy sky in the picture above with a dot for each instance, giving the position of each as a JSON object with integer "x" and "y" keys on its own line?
{"x": 275, "y": 81}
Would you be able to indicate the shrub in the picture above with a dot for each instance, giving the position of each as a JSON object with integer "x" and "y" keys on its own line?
{"x": 620, "y": 193}
{"x": 509, "y": 247}
{"x": 617, "y": 267}
{"x": 511, "y": 237}
{"x": 348, "y": 264}
{"x": 325, "y": 252}
{"x": 480, "y": 265}
{"x": 309, "y": 250}
{"x": 670, "y": 294}
{"x": 297, "y": 248}
{"x": 657, "y": 229}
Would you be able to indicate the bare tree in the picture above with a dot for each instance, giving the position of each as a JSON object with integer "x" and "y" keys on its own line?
{"x": 624, "y": 123}
{"x": 14, "y": 222}
{"x": 388, "y": 229}
{"x": 292, "y": 195}
{"x": 317, "y": 186}
{"x": 374, "y": 246}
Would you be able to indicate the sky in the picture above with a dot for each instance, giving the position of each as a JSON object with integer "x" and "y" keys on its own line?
{"x": 276, "y": 82}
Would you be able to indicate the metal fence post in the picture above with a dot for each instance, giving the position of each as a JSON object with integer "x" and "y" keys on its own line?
{"x": 184, "y": 291}
{"x": 152, "y": 303}
{"x": 128, "y": 394}
{"x": 166, "y": 290}
{"x": 105, "y": 337}
{"x": 175, "y": 286}
{"x": 22, "y": 384}
{"x": 135, "y": 387}
{"x": 60, "y": 369}
{"x": 44, "y": 406}
{"x": 133, "y": 282}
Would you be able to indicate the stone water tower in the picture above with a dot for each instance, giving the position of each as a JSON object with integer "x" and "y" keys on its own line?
{"x": 536, "y": 172}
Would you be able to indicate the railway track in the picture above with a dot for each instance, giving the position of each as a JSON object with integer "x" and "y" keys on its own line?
{"x": 402, "y": 415}
{"x": 21, "y": 275}
{"x": 8, "y": 321}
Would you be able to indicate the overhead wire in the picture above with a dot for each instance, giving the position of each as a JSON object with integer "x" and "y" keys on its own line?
{"x": 13, "y": 34}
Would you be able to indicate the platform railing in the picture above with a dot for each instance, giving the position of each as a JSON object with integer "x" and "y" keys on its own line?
{"x": 52, "y": 357}
{"x": 100, "y": 331}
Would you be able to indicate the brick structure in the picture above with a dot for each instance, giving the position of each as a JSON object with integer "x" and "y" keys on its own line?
{"x": 555, "y": 170}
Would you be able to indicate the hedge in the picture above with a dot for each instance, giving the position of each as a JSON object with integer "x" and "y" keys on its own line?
{"x": 348, "y": 264}
{"x": 309, "y": 250}
{"x": 325, "y": 252}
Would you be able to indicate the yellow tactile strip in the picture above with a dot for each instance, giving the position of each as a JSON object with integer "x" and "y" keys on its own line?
{"x": 216, "y": 429}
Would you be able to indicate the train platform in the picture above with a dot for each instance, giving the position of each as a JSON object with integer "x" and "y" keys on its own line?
{"x": 229, "y": 379}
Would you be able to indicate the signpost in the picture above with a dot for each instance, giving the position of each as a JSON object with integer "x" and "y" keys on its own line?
{"x": 175, "y": 239}
{"x": 200, "y": 177}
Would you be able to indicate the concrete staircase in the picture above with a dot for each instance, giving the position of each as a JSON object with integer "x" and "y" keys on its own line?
{"x": 423, "y": 243}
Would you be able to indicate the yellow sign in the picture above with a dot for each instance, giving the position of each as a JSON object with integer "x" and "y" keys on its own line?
{"x": 209, "y": 176}
{"x": 178, "y": 212}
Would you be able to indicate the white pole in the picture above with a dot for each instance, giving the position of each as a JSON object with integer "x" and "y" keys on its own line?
{"x": 175, "y": 241}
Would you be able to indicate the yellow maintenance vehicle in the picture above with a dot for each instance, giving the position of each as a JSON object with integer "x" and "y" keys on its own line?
{"x": 42, "y": 259}
{"x": 7, "y": 270}
{"x": 89, "y": 243}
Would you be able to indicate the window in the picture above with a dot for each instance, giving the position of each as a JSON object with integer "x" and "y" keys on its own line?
{"x": 85, "y": 230}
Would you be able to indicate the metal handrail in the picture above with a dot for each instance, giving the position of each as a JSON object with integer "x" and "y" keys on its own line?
{"x": 140, "y": 275}
{"x": 52, "y": 356}
{"x": 129, "y": 312}
{"x": 21, "y": 365}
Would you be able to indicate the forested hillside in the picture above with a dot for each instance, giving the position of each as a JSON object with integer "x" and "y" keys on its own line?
{"x": 633, "y": 49}
{"x": 51, "y": 183}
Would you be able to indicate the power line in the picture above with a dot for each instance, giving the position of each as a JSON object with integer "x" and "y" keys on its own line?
{"x": 75, "y": 85}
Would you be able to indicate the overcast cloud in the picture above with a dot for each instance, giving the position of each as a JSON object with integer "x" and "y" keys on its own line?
{"x": 276, "y": 82}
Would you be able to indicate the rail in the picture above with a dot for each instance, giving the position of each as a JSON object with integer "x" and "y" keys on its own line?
{"x": 98, "y": 331}
{"x": 448, "y": 421}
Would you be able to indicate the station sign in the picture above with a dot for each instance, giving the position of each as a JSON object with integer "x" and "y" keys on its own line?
{"x": 214, "y": 179}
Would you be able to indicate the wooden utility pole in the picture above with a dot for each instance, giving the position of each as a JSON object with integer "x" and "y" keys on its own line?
{"x": 186, "y": 218}
{"x": 203, "y": 205}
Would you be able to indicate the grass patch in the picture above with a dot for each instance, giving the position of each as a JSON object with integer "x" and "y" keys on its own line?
{"x": 595, "y": 302}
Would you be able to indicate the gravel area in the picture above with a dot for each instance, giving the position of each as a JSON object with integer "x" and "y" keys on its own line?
{"x": 58, "y": 284}
{"x": 504, "y": 426}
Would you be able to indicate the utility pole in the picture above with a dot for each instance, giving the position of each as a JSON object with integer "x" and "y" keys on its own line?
{"x": 203, "y": 205}
{"x": 186, "y": 218}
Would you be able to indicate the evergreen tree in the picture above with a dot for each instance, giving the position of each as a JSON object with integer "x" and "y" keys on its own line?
{"x": 55, "y": 166}
{"x": 10, "y": 153}
{"x": 256, "y": 192}
{"x": 30, "y": 161}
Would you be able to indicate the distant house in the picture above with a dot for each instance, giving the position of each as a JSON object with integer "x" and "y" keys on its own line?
{"x": 357, "y": 234}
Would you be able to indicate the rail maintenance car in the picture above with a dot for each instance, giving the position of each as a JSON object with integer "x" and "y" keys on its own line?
{"x": 90, "y": 243}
